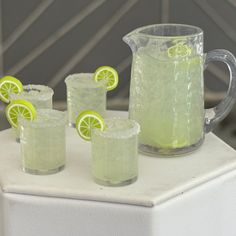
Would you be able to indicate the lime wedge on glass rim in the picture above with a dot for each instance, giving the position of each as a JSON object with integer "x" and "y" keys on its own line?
{"x": 8, "y": 85}
{"x": 20, "y": 108}
{"x": 109, "y": 74}
{"x": 179, "y": 50}
{"x": 88, "y": 120}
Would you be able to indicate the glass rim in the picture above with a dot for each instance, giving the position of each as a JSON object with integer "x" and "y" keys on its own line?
{"x": 45, "y": 92}
{"x": 40, "y": 87}
{"x": 74, "y": 79}
{"x": 133, "y": 130}
{"x": 47, "y": 118}
{"x": 139, "y": 30}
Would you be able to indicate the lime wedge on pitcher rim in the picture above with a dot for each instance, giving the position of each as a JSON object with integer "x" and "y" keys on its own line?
{"x": 179, "y": 50}
{"x": 109, "y": 74}
{"x": 20, "y": 108}
{"x": 88, "y": 120}
{"x": 8, "y": 85}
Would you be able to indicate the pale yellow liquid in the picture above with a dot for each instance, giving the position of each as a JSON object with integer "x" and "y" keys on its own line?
{"x": 43, "y": 143}
{"x": 166, "y": 99}
{"x": 115, "y": 154}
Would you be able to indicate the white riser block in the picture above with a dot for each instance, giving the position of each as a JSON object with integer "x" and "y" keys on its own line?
{"x": 37, "y": 216}
{"x": 209, "y": 209}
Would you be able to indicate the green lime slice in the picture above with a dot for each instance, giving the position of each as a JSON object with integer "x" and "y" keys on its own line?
{"x": 8, "y": 85}
{"x": 179, "y": 50}
{"x": 109, "y": 74}
{"x": 20, "y": 108}
{"x": 86, "y": 121}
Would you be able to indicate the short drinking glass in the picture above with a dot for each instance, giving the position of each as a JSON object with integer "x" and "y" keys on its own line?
{"x": 83, "y": 93}
{"x": 43, "y": 142}
{"x": 114, "y": 152}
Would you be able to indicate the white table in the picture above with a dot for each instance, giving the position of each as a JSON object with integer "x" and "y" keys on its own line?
{"x": 182, "y": 196}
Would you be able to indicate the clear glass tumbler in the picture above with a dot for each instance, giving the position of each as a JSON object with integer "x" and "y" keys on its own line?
{"x": 83, "y": 93}
{"x": 39, "y": 95}
{"x": 115, "y": 152}
{"x": 43, "y": 142}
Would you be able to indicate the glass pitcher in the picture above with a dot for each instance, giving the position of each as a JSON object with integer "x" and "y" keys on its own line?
{"x": 167, "y": 89}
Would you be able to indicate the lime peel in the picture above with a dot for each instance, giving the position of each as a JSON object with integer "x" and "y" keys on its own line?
{"x": 109, "y": 74}
{"x": 179, "y": 50}
{"x": 22, "y": 108}
{"x": 9, "y": 84}
{"x": 87, "y": 120}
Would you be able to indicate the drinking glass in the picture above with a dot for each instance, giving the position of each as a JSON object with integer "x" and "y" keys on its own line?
{"x": 83, "y": 93}
{"x": 115, "y": 152}
{"x": 43, "y": 142}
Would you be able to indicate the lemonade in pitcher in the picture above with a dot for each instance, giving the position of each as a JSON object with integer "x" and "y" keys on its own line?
{"x": 168, "y": 103}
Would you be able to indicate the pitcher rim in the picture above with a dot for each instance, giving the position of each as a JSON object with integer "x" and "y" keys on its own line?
{"x": 137, "y": 31}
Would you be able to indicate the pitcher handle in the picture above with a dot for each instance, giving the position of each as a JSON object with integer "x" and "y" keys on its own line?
{"x": 218, "y": 113}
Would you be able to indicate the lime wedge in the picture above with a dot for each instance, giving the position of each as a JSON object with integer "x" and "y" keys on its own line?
{"x": 179, "y": 50}
{"x": 86, "y": 121}
{"x": 8, "y": 85}
{"x": 109, "y": 74}
{"x": 20, "y": 108}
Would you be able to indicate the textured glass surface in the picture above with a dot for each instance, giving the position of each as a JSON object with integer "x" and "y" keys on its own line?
{"x": 114, "y": 152}
{"x": 83, "y": 93}
{"x": 166, "y": 93}
{"x": 166, "y": 98}
{"x": 43, "y": 142}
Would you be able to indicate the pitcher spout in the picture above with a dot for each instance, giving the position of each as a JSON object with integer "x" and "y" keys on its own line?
{"x": 136, "y": 40}
{"x": 132, "y": 40}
